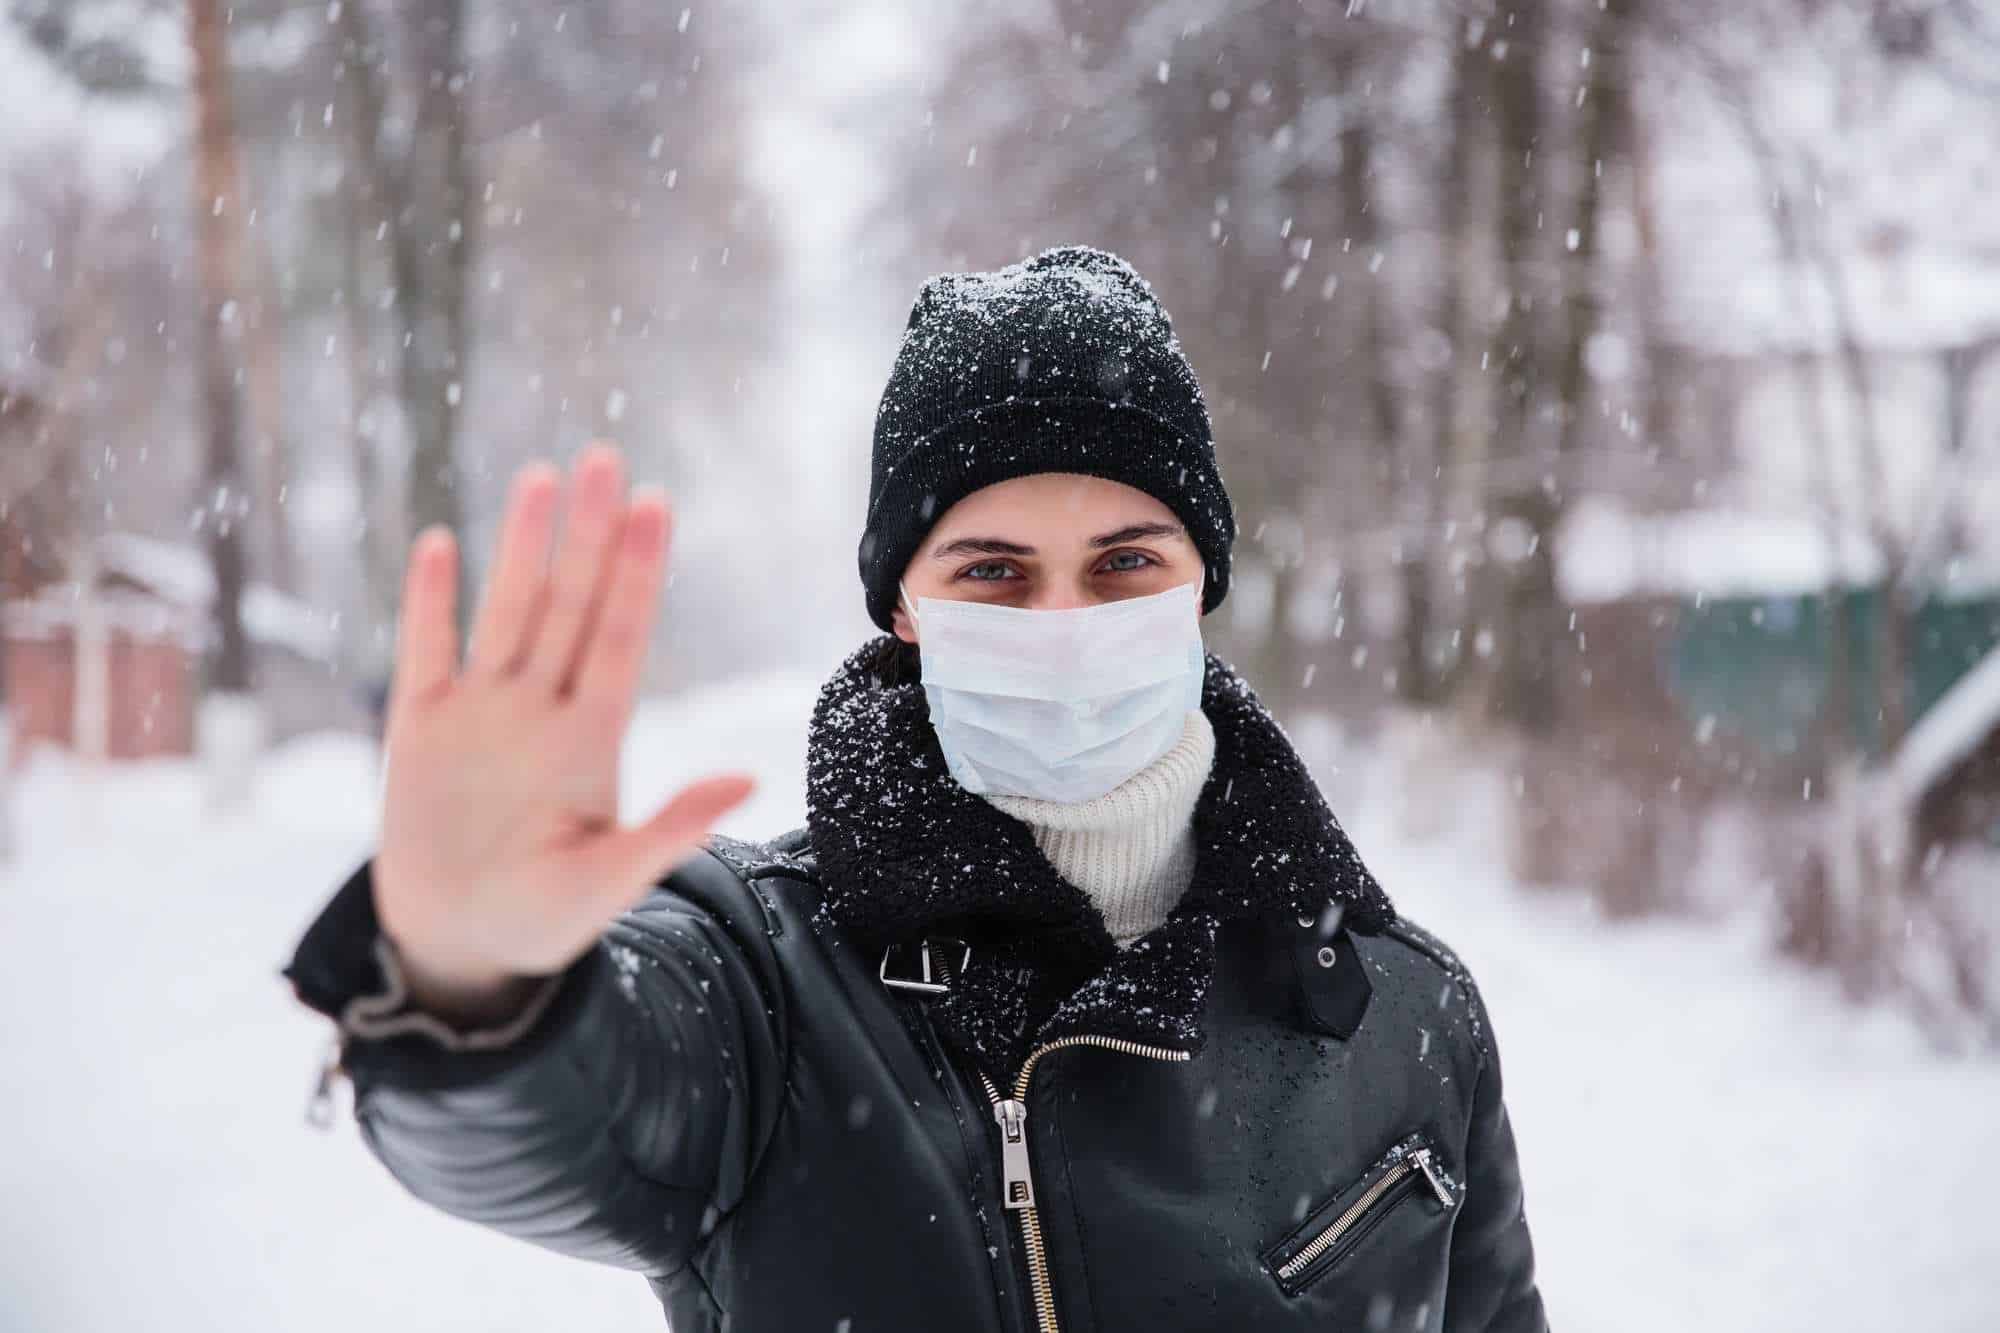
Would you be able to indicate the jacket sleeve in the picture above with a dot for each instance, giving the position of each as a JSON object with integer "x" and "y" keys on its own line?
{"x": 1491, "y": 1287}
{"x": 619, "y": 1118}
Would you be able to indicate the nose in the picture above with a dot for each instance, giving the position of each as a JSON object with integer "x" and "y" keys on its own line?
{"x": 1055, "y": 596}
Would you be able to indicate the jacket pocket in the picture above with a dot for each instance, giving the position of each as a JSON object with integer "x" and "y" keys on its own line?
{"x": 1408, "y": 1174}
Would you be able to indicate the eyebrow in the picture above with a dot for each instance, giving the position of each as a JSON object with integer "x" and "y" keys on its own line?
{"x": 1000, "y": 546}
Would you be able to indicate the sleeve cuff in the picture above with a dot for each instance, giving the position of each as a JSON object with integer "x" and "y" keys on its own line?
{"x": 388, "y": 1013}
{"x": 345, "y": 967}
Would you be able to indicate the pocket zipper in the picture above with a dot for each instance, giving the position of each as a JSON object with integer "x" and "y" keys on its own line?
{"x": 1399, "y": 1179}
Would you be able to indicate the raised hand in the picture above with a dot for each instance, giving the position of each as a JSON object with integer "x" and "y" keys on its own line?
{"x": 502, "y": 858}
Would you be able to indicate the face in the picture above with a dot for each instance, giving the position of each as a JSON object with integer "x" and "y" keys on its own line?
{"x": 1048, "y": 541}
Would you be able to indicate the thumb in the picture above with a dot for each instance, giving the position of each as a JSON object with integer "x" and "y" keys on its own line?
{"x": 632, "y": 860}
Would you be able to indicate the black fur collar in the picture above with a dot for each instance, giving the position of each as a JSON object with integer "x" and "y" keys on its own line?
{"x": 904, "y": 850}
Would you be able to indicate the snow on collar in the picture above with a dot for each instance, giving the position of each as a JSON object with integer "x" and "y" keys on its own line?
{"x": 904, "y": 850}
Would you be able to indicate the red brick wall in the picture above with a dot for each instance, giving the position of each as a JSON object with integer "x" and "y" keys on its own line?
{"x": 152, "y": 693}
{"x": 39, "y": 684}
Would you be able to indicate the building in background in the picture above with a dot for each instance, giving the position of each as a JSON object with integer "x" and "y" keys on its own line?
{"x": 109, "y": 664}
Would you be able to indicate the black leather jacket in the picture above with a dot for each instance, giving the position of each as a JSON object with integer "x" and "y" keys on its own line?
{"x": 889, "y": 1072}
{"x": 731, "y": 1101}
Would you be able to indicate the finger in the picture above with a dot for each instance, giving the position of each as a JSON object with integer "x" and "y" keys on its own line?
{"x": 595, "y": 512}
{"x": 600, "y": 592}
{"x": 632, "y": 860}
{"x": 608, "y": 675}
{"x": 520, "y": 568}
{"x": 426, "y": 623}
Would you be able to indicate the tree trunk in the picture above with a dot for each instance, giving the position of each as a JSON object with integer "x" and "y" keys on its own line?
{"x": 367, "y": 194}
{"x": 1602, "y": 117}
{"x": 432, "y": 244}
{"x": 9, "y": 555}
{"x": 1288, "y": 656}
{"x": 1660, "y": 359}
{"x": 264, "y": 380}
{"x": 1460, "y": 432}
{"x": 1526, "y": 509}
{"x": 1894, "y": 608}
{"x": 219, "y": 238}
{"x": 218, "y": 202}
{"x": 1402, "y": 502}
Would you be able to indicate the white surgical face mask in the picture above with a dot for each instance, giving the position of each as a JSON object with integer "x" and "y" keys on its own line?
{"x": 1061, "y": 705}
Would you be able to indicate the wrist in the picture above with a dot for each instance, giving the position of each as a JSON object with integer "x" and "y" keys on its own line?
{"x": 462, "y": 996}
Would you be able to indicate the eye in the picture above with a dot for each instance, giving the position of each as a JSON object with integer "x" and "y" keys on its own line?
{"x": 987, "y": 571}
{"x": 1124, "y": 562}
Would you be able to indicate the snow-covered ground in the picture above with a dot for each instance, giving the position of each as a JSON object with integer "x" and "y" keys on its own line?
{"x": 1710, "y": 1140}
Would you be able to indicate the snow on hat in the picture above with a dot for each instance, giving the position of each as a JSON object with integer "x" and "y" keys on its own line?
{"x": 1065, "y": 362}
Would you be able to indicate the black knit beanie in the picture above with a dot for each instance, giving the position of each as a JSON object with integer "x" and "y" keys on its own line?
{"x": 1065, "y": 362}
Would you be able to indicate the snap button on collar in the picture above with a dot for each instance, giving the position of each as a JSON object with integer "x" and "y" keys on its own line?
{"x": 932, "y": 978}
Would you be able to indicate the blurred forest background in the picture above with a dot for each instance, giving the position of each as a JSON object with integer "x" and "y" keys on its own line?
{"x": 1610, "y": 391}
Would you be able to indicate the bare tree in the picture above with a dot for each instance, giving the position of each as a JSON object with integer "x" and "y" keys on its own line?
{"x": 31, "y": 475}
{"x": 1525, "y": 502}
{"x": 368, "y": 199}
{"x": 431, "y": 225}
{"x": 1462, "y": 416}
{"x": 218, "y": 206}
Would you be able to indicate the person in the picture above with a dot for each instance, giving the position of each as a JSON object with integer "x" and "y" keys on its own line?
{"x": 1070, "y": 1006}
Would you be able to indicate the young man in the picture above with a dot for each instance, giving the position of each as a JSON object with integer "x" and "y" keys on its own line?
{"x": 1070, "y": 1007}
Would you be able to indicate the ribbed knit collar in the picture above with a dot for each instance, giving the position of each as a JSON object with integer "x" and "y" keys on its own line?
{"x": 1131, "y": 849}
{"x": 904, "y": 851}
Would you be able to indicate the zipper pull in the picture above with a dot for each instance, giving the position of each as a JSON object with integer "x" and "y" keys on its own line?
{"x": 1017, "y": 1186}
{"x": 1422, "y": 1157}
{"x": 319, "y": 1106}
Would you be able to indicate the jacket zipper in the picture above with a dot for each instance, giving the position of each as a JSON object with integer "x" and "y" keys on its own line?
{"x": 319, "y": 1104}
{"x": 1417, "y": 1161}
{"x": 1017, "y": 1181}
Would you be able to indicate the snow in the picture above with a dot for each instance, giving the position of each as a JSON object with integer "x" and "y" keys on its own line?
{"x": 108, "y": 143}
{"x": 1607, "y": 551}
{"x": 230, "y": 732}
{"x": 1951, "y": 728}
{"x": 1902, "y": 302}
{"x": 1897, "y": 204}
{"x": 1081, "y": 287}
{"x": 1709, "y": 1139}
{"x": 183, "y": 575}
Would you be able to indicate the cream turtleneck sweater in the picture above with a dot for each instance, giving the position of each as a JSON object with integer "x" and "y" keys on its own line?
{"x": 1132, "y": 849}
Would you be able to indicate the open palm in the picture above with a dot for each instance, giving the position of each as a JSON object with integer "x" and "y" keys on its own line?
{"x": 502, "y": 857}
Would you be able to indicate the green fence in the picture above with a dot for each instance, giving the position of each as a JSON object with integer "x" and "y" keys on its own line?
{"x": 1759, "y": 665}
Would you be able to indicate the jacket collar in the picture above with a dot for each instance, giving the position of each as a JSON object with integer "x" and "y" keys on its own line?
{"x": 904, "y": 851}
